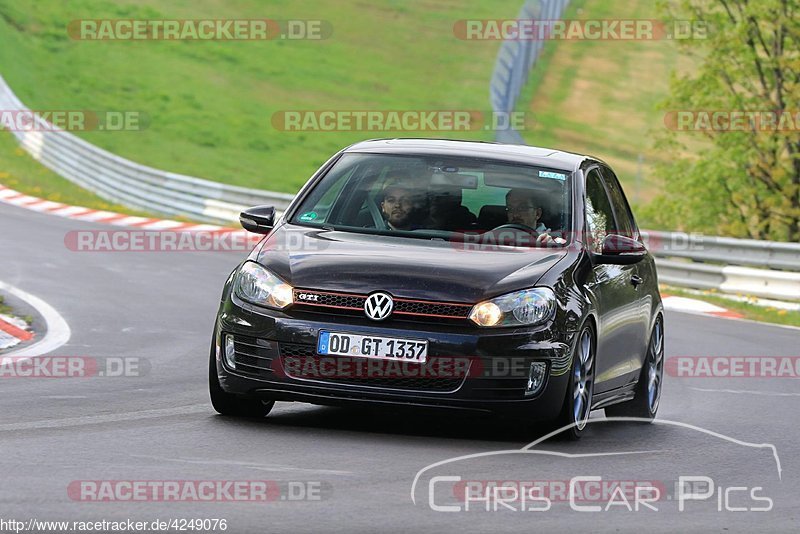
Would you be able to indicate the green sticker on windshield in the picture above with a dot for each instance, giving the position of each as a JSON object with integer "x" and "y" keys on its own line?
{"x": 554, "y": 175}
{"x": 308, "y": 216}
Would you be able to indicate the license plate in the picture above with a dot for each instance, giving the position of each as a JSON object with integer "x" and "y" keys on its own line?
{"x": 385, "y": 348}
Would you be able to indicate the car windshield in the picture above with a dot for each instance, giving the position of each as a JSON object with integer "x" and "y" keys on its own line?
{"x": 437, "y": 197}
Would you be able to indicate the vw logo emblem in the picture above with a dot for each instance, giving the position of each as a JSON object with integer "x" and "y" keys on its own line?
{"x": 378, "y": 306}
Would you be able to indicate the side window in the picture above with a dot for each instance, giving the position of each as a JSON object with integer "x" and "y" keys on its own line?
{"x": 324, "y": 204}
{"x": 599, "y": 214}
{"x": 625, "y": 223}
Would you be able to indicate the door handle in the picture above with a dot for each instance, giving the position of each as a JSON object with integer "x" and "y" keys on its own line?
{"x": 636, "y": 280}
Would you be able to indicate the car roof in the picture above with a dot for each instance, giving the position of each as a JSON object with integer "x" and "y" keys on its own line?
{"x": 529, "y": 155}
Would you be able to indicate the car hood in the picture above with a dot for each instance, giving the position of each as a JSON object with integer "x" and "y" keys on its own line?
{"x": 404, "y": 267}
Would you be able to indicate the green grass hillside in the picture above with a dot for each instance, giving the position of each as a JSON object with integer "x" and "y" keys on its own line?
{"x": 601, "y": 97}
{"x": 210, "y": 103}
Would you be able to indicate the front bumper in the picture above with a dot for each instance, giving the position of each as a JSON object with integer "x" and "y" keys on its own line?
{"x": 490, "y": 373}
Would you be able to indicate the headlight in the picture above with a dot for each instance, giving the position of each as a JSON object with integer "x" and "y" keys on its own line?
{"x": 522, "y": 308}
{"x": 257, "y": 285}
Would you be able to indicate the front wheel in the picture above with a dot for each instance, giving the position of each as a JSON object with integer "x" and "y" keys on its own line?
{"x": 644, "y": 404}
{"x": 229, "y": 404}
{"x": 580, "y": 390}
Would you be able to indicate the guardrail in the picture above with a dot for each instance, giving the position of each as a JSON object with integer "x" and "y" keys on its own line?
{"x": 514, "y": 62}
{"x": 726, "y": 264}
{"x": 727, "y": 250}
{"x": 730, "y": 279}
{"x": 125, "y": 182}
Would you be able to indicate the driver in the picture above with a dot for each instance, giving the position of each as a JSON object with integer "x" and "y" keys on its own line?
{"x": 403, "y": 205}
{"x": 523, "y": 208}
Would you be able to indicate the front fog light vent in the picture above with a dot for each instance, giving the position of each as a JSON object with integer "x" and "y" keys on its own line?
{"x": 230, "y": 353}
{"x": 536, "y": 376}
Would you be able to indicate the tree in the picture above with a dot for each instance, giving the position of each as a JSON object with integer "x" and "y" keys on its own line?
{"x": 743, "y": 182}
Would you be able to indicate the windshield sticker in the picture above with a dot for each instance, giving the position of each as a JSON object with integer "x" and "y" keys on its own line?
{"x": 308, "y": 216}
{"x": 554, "y": 175}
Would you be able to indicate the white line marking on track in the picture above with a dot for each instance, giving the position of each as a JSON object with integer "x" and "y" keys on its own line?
{"x": 23, "y": 200}
{"x": 131, "y": 220}
{"x": 106, "y": 418}
{"x": 47, "y": 205}
{"x": 163, "y": 225}
{"x": 58, "y": 331}
{"x": 249, "y": 465}
{"x": 70, "y": 211}
{"x": 96, "y": 216}
{"x": 749, "y": 392}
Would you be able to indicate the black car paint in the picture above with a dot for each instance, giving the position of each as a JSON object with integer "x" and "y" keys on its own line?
{"x": 622, "y": 313}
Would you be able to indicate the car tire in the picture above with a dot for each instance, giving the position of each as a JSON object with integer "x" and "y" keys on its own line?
{"x": 233, "y": 405}
{"x": 580, "y": 388}
{"x": 644, "y": 404}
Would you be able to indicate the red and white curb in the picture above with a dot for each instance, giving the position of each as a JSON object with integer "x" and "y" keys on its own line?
{"x": 687, "y": 305}
{"x": 57, "y": 331}
{"x": 13, "y": 331}
{"x": 80, "y": 213}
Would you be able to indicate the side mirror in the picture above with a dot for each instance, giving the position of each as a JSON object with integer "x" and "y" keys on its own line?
{"x": 258, "y": 219}
{"x": 621, "y": 250}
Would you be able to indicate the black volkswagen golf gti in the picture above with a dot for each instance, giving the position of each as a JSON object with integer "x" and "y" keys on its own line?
{"x": 446, "y": 274}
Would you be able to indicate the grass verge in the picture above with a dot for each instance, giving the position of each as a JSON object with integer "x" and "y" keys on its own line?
{"x": 749, "y": 310}
{"x": 6, "y": 310}
{"x": 19, "y": 171}
{"x": 601, "y": 97}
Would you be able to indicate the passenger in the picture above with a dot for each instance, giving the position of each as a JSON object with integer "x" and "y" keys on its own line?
{"x": 403, "y": 204}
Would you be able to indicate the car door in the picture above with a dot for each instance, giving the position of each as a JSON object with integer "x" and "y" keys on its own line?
{"x": 645, "y": 277}
{"x": 613, "y": 290}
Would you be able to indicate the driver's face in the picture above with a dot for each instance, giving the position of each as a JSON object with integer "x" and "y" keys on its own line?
{"x": 397, "y": 206}
{"x": 522, "y": 210}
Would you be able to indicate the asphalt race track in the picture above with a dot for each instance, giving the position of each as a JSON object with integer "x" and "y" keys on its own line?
{"x": 352, "y": 470}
